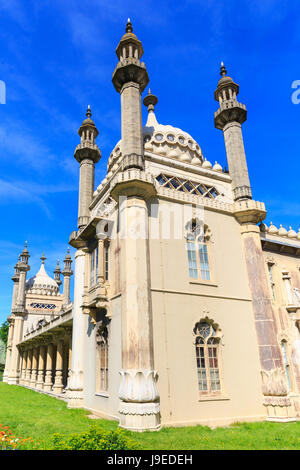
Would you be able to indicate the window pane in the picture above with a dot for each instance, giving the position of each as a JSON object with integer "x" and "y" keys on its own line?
{"x": 204, "y": 265}
{"x": 192, "y": 259}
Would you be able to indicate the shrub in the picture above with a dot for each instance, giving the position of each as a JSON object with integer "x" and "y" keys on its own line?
{"x": 95, "y": 438}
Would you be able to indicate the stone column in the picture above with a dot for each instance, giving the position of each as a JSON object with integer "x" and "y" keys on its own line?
{"x": 34, "y": 367}
{"x": 24, "y": 367}
{"x": 69, "y": 360}
{"x": 8, "y": 350}
{"x": 274, "y": 386}
{"x": 49, "y": 365}
{"x": 75, "y": 392}
{"x": 236, "y": 158}
{"x": 139, "y": 408}
{"x": 58, "y": 381}
{"x": 41, "y": 367}
{"x": 29, "y": 365}
{"x": 15, "y": 354}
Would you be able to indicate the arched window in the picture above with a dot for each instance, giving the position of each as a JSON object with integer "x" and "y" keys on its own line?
{"x": 197, "y": 247}
{"x": 207, "y": 345}
{"x": 102, "y": 358}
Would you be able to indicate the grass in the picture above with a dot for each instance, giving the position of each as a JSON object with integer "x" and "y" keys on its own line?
{"x": 31, "y": 414}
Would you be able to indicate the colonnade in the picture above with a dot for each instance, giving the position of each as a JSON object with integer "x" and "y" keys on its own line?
{"x": 45, "y": 361}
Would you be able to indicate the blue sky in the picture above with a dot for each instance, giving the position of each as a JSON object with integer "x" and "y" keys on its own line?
{"x": 57, "y": 56}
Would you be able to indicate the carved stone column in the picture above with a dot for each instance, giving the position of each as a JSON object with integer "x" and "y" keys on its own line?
{"x": 24, "y": 367}
{"x": 8, "y": 350}
{"x": 49, "y": 365}
{"x": 275, "y": 390}
{"x": 28, "y": 369}
{"x": 15, "y": 354}
{"x": 75, "y": 391}
{"x": 34, "y": 367}
{"x": 58, "y": 381}
{"x": 41, "y": 367}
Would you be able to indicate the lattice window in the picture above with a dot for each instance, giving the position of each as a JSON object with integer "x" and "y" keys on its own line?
{"x": 43, "y": 306}
{"x": 187, "y": 186}
{"x": 207, "y": 357}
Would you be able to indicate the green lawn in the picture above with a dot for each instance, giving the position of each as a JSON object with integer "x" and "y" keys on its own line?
{"x": 31, "y": 414}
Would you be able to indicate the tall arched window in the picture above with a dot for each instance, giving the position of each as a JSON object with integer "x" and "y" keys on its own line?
{"x": 207, "y": 345}
{"x": 197, "y": 247}
{"x": 102, "y": 358}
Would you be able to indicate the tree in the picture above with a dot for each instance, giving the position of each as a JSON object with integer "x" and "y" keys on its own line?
{"x": 4, "y": 332}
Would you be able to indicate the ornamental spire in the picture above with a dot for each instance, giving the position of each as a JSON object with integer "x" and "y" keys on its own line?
{"x": 43, "y": 258}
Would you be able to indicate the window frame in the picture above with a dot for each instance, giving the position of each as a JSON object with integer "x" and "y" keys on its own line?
{"x": 196, "y": 239}
{"x": 213, "y": 338}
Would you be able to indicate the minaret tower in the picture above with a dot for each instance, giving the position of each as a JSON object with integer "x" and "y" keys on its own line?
{"x": 130, "y": 78}
{"x": 15, "y": 279}
{"x": 87, "y": 154}
{"x": 57, "y": 273}
{"x": 18, "y": 311}
{"x": 229, "y": 118}
{"x": 67, "y": 273}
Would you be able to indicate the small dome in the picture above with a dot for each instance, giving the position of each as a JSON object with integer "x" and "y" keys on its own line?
{"x": 272, "y": 228}
{"x": 282, "y": 231}
{"x": 217, "y": 167}
{"x": 292, "y": 233}
{"x": 207, "y": 164}
{"x": 42, "y": 283}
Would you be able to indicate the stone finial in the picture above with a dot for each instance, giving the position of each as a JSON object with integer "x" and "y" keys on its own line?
{"x": 223, "y": 70}
{"x": 88, "y": 112}
{"x": 43, "y": 258}
{"x": 150, "y": 101}
{"x": 129, "y": 27}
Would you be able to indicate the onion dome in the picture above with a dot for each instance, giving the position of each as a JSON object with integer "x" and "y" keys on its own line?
{"x": 217, "y": 167}
{"x": 207, "y": 164}
{"x": 282, "y": 231}
{"x": 292, "y": 233}
{"x": 272, "y": 229}
{"x": 42, "y": 283}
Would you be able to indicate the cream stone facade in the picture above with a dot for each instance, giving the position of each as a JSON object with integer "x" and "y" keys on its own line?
{"x": 186, "y": 305}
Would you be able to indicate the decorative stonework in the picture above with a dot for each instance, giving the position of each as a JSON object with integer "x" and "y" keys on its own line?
{"x": 274, "y": 383}
{"x": 139, "y": 408}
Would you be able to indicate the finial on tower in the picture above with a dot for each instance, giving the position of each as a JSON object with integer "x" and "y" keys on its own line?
{"x": 150, "y": 101}
{"x": 129, "y": 27}
{"x": 88, "y": 112}
{"x": 223, "y": 70}
{"x": 43, "y": 258}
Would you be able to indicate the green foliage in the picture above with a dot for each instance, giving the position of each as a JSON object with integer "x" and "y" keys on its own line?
{"x": 4, "y": 332}
{"x": 95, "y": 438}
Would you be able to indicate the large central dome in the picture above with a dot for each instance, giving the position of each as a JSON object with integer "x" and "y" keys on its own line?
{"x": 170, "y": 141}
